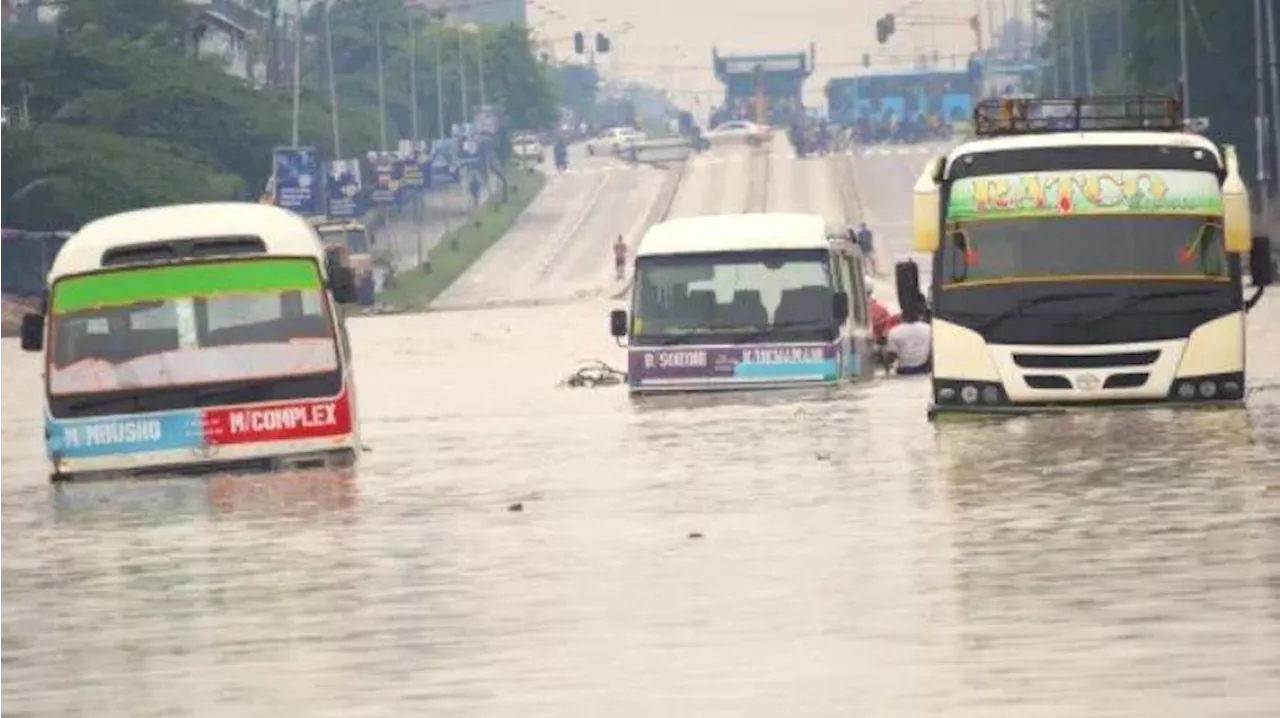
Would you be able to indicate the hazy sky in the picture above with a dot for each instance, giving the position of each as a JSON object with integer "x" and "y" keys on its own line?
{"x": 670, "y": 41}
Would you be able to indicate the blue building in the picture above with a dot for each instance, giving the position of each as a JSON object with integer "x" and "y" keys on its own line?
{"x": 776, "y": 81}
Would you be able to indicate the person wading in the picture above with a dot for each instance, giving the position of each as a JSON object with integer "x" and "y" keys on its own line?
{"x": 911, "y": 343}
{"x": 866, "y": 242}
{"x": 620, "y": 257}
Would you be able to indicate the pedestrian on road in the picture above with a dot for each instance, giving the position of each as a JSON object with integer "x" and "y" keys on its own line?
{"x": 620, "y": 258}
{"x": 476, "y": 186}
{"x": 867, "y": 244}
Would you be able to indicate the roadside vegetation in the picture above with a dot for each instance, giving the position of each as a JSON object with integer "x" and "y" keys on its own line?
{"x": 1134, "y": 48}
{"x": 415, "y": 289}
{"x": 125, "y": 111}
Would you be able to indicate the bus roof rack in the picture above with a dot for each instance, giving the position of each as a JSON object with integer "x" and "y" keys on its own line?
{"x": 1002, "y": 117}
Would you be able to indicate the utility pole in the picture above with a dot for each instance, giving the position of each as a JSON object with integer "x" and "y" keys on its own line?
{"x": 413, "y": 76}
{"x": 1088, "y": 50}
{"x": 484, "y": 101}
{"x": 1275, "y": 80}
{"x": 1071, "y": 49}
{"x": 333, "y": 83}
{"x": 462, "y": 74}
{"x": 382, "y": 98}
{"x": 439, "y": 43}
{"x": 1260, "y": 116}
{"x": 1186, "y": 75}
{"x": 297, "y": 70}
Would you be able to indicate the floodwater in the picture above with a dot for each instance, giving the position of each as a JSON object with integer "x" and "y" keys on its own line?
{"x": 796, "y": 554}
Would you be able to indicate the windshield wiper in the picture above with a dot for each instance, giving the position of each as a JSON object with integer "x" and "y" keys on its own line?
{"x": 1030, "y": 302}
{"x": 1134, "y": 300}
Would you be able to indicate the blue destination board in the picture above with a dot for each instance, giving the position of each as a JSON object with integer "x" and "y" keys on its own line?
{"x": 108, "y": 436}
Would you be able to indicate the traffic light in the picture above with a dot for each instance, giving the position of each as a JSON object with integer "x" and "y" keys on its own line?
{"x": 602, "y": 43}
{"x": 866, "y": 59}
{"x": 579, "y": 43}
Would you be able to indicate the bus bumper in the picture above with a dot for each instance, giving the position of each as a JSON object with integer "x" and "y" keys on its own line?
{"x": 326, "y": 455}
{"x": 937, "y": 412}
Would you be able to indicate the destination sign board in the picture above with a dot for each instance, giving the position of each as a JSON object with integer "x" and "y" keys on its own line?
{"x": 793, "y": 63}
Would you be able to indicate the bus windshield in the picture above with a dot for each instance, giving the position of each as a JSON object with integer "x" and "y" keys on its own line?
{"x": 771, "y": 295}
{"x": 354, "y": 239}
{"x": 1119, "y": 246}
{"x": 191, "y": 324}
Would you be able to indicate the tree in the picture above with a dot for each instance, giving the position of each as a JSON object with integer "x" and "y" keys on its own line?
{"x": 161, "y": 24}
{"x": 515, "y": 80}
{"x": 1220, "y": 57}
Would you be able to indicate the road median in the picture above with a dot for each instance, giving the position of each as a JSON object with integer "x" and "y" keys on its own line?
{"x": 415, "y": 289}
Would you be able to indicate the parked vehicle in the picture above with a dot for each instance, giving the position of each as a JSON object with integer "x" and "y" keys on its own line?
{"x": 528, "y": 148}
{"x": 615, "y": 140}
{"x": 739, "y": 131}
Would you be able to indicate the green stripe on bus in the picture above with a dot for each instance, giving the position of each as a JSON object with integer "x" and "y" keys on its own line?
{"x": 124, "y": 287}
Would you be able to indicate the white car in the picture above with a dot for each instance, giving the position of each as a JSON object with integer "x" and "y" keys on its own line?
{"x": 528, "y": 149}
{"x": 614, "y": 141}
{"x": 739, "y": 131}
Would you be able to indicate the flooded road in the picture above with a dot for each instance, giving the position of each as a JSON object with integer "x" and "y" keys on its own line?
{"x": 853, "y": 559}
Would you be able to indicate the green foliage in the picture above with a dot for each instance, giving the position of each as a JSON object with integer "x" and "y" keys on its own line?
{"x": 460, "y": 248}
{"x": 521, "y": 88}
{"x": 1135, "y": 48}
{"x": 61, "y": 176}
{"x": 160, "y": 24}
{"x": 116, "y": 98}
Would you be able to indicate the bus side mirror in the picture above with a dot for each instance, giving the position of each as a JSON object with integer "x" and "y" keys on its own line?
{"x": 618, "y": 323}
{"x": 32, "y": 332}
{"x": 840, "y": 306}
{"x": 342, "y": 282}
{"x": 907, "y": 284}
{"x": 1261, "y": 267}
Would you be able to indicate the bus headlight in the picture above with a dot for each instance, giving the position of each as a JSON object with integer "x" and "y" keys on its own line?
{"x": 970, "y": 393}
{"x": 1220, "y": 387}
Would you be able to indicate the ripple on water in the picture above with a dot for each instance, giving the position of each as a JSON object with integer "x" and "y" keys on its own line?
{"x": 854, "y": 559}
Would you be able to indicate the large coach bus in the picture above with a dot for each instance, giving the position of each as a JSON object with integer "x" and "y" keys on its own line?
{"x": 1085, "y": 253}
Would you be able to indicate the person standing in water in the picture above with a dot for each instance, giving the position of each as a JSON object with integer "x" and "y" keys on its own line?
{"x": 911, "y": 344}
{"x": 620, "y": 257}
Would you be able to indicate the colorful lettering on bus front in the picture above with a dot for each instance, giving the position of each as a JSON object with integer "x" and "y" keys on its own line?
{"x": 198, "y": 428}
{"x": 178, "y": 330}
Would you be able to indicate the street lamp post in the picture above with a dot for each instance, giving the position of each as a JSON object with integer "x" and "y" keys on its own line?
{"x": 333, "y": 83}
{"x": 382, "y": 97}
{"x": 413, "y": 76}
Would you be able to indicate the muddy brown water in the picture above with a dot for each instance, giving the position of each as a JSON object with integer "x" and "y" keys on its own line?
{"x": 853, "y": 560}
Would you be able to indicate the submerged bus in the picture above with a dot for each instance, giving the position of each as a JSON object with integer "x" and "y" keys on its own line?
{"x": 1087, "y": 257}
{"x": 350, "y": 243}
{"x": 195, "y": 338}
{"x": 745, "y": 302}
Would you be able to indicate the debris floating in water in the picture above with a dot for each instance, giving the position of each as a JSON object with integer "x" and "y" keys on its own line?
{"x": 595, "y": 373}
